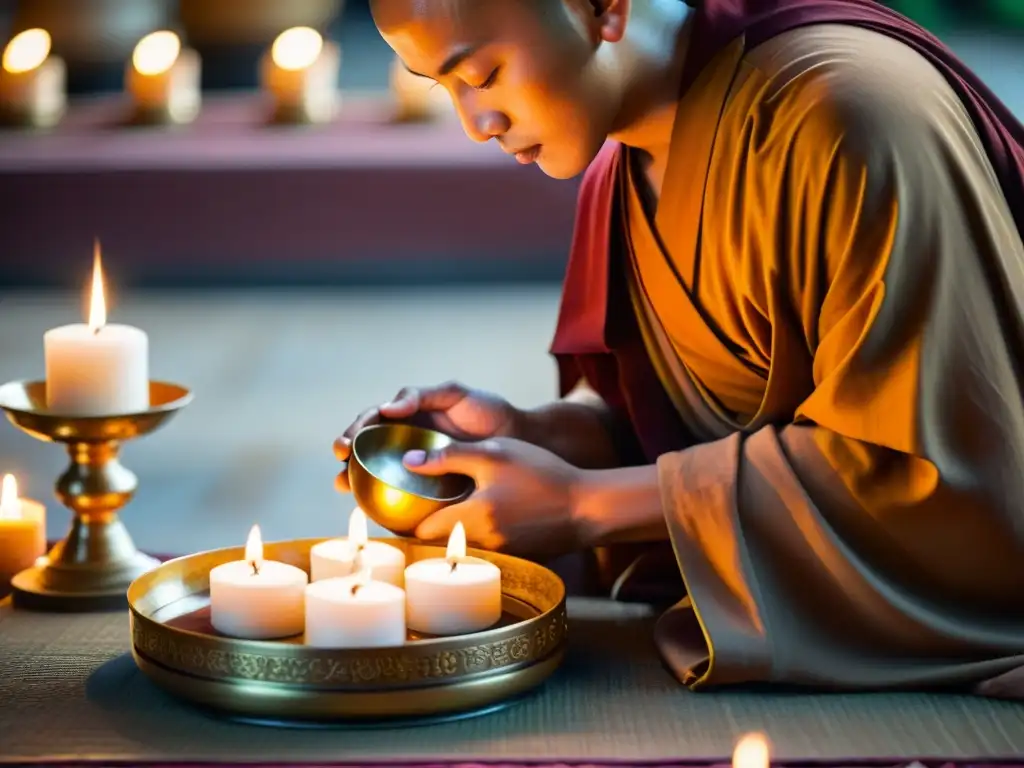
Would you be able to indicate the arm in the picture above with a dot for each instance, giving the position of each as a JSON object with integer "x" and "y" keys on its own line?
{"x": 580, "y": 428}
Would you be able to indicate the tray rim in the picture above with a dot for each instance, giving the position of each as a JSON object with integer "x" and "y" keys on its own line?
{"x": 342, "y": 672}
{"x": 387, "y": 706}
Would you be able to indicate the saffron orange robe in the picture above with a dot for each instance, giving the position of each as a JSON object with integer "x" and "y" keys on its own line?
{"x": 830, "y": 293}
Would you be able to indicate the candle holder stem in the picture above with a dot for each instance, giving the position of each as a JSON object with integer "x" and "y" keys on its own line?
{"x": 92, "y": 567}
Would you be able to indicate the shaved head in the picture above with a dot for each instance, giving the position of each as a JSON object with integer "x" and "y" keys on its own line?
{"x": 526, "y": 73}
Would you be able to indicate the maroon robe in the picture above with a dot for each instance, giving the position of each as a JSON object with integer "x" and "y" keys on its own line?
{"x": 598, "y": 337}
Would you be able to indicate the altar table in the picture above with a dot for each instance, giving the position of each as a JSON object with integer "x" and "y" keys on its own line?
{"x": 70, "y": 693}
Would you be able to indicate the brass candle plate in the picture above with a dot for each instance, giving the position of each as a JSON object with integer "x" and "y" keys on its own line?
{"x": 285, "y": 682}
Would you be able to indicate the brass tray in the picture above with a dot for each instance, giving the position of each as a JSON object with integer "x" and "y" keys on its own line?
{"x": 286, "y": 682}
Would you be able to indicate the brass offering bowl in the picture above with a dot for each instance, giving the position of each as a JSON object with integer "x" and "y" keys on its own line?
{"x": 97, "y": 560}
{"x": 286, "y": 682}
{"x": 390, "y": 494}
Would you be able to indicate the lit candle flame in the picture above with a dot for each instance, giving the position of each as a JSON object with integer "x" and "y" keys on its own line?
{"x": 357, "y": 531}
{"x": 97, "y": 301}
{"x": 296, "y": 48}
{"x": 10, "y": 506}
{"x": 363, "y": 578}
{"x": 26, "y": 51}
{"x": 254, "y": 550}
{"x": 751, "y": 752}
{"x": 156, "y": 53}
{"x": 456, "y": 544}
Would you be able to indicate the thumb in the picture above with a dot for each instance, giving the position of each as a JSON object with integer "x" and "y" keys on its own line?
{"x": 460, "y": 458}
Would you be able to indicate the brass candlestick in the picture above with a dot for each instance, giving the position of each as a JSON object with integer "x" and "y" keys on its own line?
{"x": 97, "y": 560}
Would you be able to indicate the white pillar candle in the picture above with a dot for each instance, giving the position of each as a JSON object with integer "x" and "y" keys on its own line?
{"x": 257, "y": 599}
{"x": 163, "y": 79}
{"x": 454, "y": 595}
{"x": 343, "y": 557}
{"x": 22, "y": 531}
{"x": 300, "y": 73}
{"x": 354, "y": 612}
{"x": 97, "y": 369}
{"x": 32, "y": 82}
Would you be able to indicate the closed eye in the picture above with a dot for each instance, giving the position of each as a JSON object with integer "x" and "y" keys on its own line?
{"x": 489, "y": 81}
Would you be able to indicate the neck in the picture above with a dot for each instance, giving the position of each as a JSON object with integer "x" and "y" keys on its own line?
{"x": 651, "y": 56}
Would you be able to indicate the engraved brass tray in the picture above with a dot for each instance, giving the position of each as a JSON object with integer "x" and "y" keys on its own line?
{"x": 286, "y": 682}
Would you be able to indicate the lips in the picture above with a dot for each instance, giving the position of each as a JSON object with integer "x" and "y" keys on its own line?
{"x": 528, "y": 155}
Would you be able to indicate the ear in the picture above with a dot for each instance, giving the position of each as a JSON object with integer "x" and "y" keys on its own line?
{"x": 612, "y": 16}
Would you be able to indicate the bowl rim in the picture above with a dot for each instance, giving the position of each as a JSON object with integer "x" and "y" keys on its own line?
{"x": 362, "y": 464}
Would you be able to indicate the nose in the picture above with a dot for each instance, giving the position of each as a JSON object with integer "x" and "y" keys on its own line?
{"x": 482, "y": 124}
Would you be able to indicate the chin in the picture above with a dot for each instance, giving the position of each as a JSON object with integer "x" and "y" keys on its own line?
{"x": 561, "y": 170}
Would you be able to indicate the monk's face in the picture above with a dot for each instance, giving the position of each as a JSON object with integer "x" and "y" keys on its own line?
{"x": 522, "y": 72}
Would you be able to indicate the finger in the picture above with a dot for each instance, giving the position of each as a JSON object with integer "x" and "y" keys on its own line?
{"x": 462, "y": 458}
{"x": 365, "y": 419}
{"x": 403, "y": 405}
{"x": 341, "y": 481}
{"x": 442, "y": 397}
{"x": 474, "y": 513}
{"x": 342, "y": 448}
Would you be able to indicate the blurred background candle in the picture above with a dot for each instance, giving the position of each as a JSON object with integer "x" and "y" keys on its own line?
{"x": 22, "y": 531}
{"x": 32, "y": 81}
{"x": 454, "y": 595}
{"x": 354, "y": 612}
{"x": 257, "y": 599}
{"x": 752, "y": 751}
{"x": 343, "y": 557}
{"x": 300, "y": 72}
{"x": 97, "y": 369}
{"x": 163, "y": 80}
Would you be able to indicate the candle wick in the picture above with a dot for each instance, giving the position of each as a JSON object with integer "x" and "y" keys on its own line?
{"x": 255, "y": 568}
{"x": 355, "y": 588}
{"x": 96, "y": 330}
{"x": 454, "y": 564}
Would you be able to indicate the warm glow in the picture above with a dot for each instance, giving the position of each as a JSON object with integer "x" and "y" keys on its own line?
{"x": 751, "y": 752}
{"x": 26, "y": 51}
{"x": 97, "y": 301}
{"x": 296, "y": 48}
{"x": 456, "y": 543}
{"x": 393, "y": 497}
{"x": 10, "y": 507}
{"x": 357, "y": 533}
{"x": 156, "y": 53}
{"x": 254, "y": 548}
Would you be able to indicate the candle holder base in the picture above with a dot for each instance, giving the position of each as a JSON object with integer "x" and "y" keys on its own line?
{"x": 50, "y": 586}
{"x": 93, "y": 566}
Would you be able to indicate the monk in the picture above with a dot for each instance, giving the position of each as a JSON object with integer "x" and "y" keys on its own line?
{"x": 791, "y": 333}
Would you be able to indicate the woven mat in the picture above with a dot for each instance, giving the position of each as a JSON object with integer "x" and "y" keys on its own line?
{"x": 68, "y": 690}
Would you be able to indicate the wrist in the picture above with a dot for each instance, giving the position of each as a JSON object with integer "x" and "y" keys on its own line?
{"x": 611, "y": 506}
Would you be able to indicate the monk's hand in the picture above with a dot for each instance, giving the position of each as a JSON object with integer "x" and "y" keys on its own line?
{"x": 524, "y": 502}
{"x": 458, "y": 411}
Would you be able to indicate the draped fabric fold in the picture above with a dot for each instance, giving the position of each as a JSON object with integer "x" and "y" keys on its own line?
{"x": 817, "y": 336}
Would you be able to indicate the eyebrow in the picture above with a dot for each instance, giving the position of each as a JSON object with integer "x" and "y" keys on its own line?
{"x": 449, "y": 64}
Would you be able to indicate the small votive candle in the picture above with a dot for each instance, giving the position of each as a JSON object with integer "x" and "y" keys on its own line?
{"x": 96, "y": 369}
{"x": 343, "y": 557}
{"x": 454, "y": 595}
{"x": 22, "y": 531}
{"x": 417, "y": 99}
{"x": 257, "y": 599}
{"x": 300, "y": 73}
{"x": 32, "y": 81}
{"x": 354, "y": 612}
{"x": 163, "y": 80}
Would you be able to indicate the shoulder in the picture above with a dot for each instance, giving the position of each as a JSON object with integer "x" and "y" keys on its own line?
{"x": 848, "y": 86}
